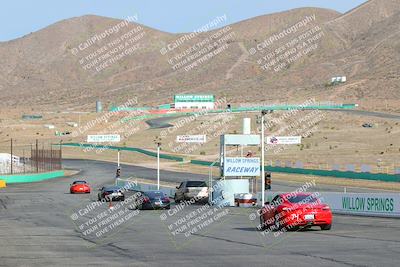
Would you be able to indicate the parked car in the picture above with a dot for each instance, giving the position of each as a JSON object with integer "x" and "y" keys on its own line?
{"x": 151, "y": 200}
{"x": 79, "y": 187}
{"x": 197, "y": 190}
{"x": 292, "y": 211}
{"x": 111, "y": 193}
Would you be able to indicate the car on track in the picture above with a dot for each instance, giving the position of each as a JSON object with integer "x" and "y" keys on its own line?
{"x": 151, "y": 200}
{"x": 292, "y": 211}
{"x": 187, "y": 190}
{"x": 79, "y": 187}
{"x": 111, "y": 193}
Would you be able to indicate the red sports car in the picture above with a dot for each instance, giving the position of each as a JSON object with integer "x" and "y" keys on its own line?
{"x": 79, "y": 187}
{"x": 294, "y": 210}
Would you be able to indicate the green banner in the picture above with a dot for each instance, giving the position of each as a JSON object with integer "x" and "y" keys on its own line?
{"x": 194, "y": 98}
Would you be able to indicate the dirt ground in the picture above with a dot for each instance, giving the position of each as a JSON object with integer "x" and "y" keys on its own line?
{"x": 329, "y": 137}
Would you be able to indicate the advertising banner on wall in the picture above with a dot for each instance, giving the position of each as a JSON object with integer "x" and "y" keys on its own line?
{"x": 242, "y": 166}
{"x": 109, "y": 138}
{"x": 369, "y": 204}
{"x": 194, "y": 98}
{"x": 360, "y": 204}
{"x": 191, "y": 138}
{"x": 283, "y": 140}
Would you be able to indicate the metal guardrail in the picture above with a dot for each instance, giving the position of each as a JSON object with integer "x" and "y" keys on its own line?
{"x": 327, "y": 173}
{"x": 240, "y": 109}
{"x": 132, "y": 149}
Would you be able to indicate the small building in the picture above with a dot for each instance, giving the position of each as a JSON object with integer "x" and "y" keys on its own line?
{"x": 49, "y": 126}
{"x": 337, "y": 80}
{"x": 6, "y": 158}
{"x": 194, "y": 101}
{"x": 32, "y": 117}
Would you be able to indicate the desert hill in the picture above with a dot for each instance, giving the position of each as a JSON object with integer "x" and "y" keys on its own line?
{"x": 40, "y": 69}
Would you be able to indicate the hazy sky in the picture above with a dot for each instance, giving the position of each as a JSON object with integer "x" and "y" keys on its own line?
{"x": 20, "y": 17}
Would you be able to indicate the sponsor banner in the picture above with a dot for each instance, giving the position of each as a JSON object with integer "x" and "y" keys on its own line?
{"x": 241, "y": 139}
{"x": 194, "y": 98}
{"x": 361, "y": 204}
{"x": 283, "y": 140}
{"x": 191, "y": 138}
{"x": 242, "y": 166}
{"x": 368, "y": 204}
{"x": 104, "y": 138}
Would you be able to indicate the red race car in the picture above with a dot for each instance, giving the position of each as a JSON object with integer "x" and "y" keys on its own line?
{"x": 294, "y": 210}
{"x": 79, "y": 187}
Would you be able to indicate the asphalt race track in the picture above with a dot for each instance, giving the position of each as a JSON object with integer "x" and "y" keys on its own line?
{"x": 37, "y": 229}
{"x": 163, "y": 122}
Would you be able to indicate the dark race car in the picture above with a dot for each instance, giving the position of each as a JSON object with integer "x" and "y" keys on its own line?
{"x": 150, "y": 200}
{"x": 111, "y": 193}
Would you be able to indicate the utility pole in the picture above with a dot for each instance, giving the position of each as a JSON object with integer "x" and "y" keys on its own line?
{"x": 262, "y": 160}
{"x": 158, "y": 165}
{"x": 30, "y": 159}
{"x": 60, "y": 159}
{"x": 157, "y": 141}
{"x": 51, "y": 156}
{"x": 118, "y": 165}
{"x": 23, "y": 155}
{"x": 11, "y": 156}
{"x": 118, "y": 157}
{"x": 37, "y": 156}
{"x": 263, "y": 113}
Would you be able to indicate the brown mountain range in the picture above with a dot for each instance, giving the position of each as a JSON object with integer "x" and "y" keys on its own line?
{"x": 44, "y": 68}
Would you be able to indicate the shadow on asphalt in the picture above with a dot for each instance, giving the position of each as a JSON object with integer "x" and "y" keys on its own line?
{"x": 254, "y": 229}
{"x": 248, "y": 229}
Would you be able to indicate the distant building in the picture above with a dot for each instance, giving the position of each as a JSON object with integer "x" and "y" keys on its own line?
{"x": 194, "y": 101}
{"x": 6, "y": 158}
{"x": 336, "y": 80}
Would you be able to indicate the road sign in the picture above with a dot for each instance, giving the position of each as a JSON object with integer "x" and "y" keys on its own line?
{"x": 283, "y": 140}
{"x": 241, "y": 139}
{"x": 191, "y": 138}
{"x": 110, "y": 138}
{"x": 242, "y": 167}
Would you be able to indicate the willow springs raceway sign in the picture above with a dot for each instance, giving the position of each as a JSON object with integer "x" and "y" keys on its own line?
{"x": 242, "y": 167}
